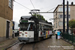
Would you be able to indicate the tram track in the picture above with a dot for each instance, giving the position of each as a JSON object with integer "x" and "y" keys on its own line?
{"x": 36, "y": 45}
{"x": 33, "y": 47}
{"x": 16, "y": 43}
{"x": 11, "y": 45}
{"x": 22, "y": 47}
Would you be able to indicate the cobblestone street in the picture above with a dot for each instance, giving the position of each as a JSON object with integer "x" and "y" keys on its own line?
{"x": 48, "y": 44}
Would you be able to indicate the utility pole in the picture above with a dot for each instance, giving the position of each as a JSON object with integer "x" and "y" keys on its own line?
{"x": 67, "y": 17}
{"x": 63, "y": 16}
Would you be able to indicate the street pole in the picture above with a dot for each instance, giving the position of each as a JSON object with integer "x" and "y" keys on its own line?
{"x": 63, "y": 16}
{"x": 67, "y": 18}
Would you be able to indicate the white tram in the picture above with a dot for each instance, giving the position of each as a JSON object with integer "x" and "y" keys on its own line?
{"x": 31, "y": 29}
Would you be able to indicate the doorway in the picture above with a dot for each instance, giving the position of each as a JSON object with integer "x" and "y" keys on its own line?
{"x": 7, "y": 29}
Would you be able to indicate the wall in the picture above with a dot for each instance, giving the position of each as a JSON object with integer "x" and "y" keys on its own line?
{"x": 5, "y": 11}
{"x": 3, "y": 27}
{"x": 72, "y": 12}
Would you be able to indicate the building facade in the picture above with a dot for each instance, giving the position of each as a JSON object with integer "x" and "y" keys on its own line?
{"x": 6, "y": 17}
{"x": 58, "y": 22}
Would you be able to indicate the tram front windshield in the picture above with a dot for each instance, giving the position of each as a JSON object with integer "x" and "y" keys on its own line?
{"x": 23, "y": 27}
{"x": 26, "y": 27}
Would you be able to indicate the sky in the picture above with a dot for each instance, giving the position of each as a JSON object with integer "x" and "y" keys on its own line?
{"x": 43, "y": 5}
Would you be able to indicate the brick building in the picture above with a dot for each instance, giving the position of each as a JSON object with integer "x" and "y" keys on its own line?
{"x": 6, "y": 17}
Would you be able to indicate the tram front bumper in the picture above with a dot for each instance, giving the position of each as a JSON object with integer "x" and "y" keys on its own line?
{"x": 26, "y": 39}
{"x": 22, "y": 38}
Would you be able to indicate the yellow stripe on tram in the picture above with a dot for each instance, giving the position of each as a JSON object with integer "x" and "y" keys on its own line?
{"x": 46, "y": 34}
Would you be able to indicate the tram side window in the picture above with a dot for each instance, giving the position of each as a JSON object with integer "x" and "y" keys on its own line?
{"x": 31, "y": 27}
{"x": 40, "y": 27}
{"x": 45, "y": 27}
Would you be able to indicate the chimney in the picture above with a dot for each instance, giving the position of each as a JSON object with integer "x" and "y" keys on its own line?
{"x": 71, "y": 3}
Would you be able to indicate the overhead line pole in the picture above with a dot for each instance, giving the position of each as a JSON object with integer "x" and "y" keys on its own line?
{"x": 67, "y": 18}
{"x": 63, "y": 16}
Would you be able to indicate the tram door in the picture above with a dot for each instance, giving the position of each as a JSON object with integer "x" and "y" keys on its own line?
{"x": 36, "y": 32}
{"x": 36, "y": 27}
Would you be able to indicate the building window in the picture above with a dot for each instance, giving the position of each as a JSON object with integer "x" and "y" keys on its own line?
{"x": 60, "y": 23}
{"x": 61, "y": 9}
{"x": 11, "y": 4}
{"x": 66, "y": 16}
{"x": 56, "y": 25}
{"x": 66, "y": 9}
{"x": 61, "y": 16}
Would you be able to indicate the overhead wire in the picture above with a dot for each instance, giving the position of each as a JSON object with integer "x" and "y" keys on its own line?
{"x": 32, "y": 4}
{"x": 51, "y": 9}
{"x": 22, "y": 5}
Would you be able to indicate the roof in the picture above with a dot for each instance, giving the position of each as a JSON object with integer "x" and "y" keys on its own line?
{"x": 25, "y": 17}
{"x": 61, "y": 5}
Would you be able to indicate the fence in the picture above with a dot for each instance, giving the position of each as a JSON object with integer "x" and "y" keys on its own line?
{"x": 69, "y": 37}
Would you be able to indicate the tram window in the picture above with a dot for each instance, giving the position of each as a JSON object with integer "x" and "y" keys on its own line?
{"x": 31, "y": 27}
{"x": 46, "y": 27}
{"x": 40, "y": 27}
{"x": 23, "y": 27}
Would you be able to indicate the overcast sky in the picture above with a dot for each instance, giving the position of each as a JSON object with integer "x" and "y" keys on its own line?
{"x": 43, "y": 5}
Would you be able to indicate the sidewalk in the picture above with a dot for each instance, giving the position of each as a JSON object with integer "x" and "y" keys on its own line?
{"x": 60, "y": 44}
{"x": 7, "y": 43}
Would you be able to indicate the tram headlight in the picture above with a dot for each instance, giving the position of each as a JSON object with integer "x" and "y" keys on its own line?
{"x": 25, "y": 32}
{"x": 20, "y": 32}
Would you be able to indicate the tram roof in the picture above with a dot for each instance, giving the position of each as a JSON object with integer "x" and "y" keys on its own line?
{"x": 40, "y": 22}
{"x": 25, "y": 17}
